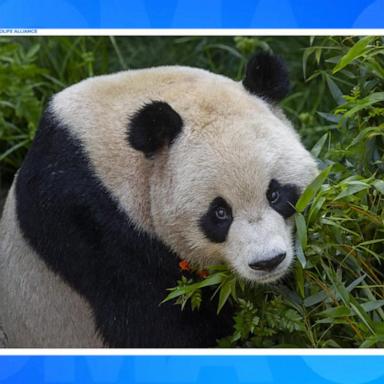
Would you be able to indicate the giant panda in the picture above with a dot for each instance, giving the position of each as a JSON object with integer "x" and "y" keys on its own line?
{"x": 128, "y": 174}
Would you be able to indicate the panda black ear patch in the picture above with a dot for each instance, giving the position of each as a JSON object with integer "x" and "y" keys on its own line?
{"x": 154, "y": 125}
{"x": 267, "y": 76}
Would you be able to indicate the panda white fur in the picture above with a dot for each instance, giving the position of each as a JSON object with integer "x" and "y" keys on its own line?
{"x": 130, "y": 172}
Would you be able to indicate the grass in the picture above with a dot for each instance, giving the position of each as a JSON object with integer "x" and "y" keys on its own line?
{"x": 335, "y": 294}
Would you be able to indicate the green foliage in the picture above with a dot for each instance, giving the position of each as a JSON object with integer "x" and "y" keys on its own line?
{"x": 20, "y": 107}
{"x": 334, "y": 296}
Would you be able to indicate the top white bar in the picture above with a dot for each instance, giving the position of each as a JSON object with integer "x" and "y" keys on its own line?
{"x": 191, "y": 32}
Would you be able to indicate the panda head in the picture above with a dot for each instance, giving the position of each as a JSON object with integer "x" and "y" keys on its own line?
{"x": 208, "y": 165}
{"x": 228, "y": 169}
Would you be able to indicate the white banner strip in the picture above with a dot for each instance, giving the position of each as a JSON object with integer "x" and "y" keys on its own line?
{"x": 190, "y": 32}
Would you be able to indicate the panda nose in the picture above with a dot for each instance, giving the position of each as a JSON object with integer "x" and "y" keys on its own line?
{"x": 268, "y": 264}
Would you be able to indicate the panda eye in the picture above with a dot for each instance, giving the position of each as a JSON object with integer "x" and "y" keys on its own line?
{"x": 217, "y": 220}
{"x": 274, "y": 197}
{"x": 282, "y": 197}
{"x": 221, "y": 213}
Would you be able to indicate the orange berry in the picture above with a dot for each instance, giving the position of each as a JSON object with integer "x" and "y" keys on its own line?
{"x": 203, "y": 273}
{"x": 184, "y": 265}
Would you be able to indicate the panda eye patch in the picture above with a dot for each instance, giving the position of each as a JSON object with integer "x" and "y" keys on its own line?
{"x": 282, "y": 198}
{"x": 216, "y": 221}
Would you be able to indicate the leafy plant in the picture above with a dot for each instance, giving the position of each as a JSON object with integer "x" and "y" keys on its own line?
{"x": 19, "y": 104}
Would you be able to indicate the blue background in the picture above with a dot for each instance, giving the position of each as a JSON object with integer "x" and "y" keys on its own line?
{"x": 193, "y": 369}
{"x": 191, "y": 14}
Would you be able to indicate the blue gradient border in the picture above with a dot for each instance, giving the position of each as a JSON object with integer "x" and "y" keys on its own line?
{"x": 191, "y": 14}
{"x": 193, "y": 369}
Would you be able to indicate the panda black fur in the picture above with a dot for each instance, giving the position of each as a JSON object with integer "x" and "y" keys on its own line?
{"x": 121, "y": 181}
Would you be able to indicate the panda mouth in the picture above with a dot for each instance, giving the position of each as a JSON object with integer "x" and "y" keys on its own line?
{"x": 270, "y": 277}
{"x": 267, "y": 277}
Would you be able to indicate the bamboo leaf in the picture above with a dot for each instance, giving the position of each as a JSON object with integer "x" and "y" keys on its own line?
{"x": 225, "y": 292}
{"x": 301, "y": 228}
{"x": 356, "y": 51}
{"x": 312, "y": 189}
{"x": 316, "y": 149}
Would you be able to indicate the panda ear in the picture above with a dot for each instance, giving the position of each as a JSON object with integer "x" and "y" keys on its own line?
{"x": 154, "y": 125}
{"x": 267, "y": 76}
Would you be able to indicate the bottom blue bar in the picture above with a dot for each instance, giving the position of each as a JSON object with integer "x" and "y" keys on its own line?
{"x": 192, "y": 369}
